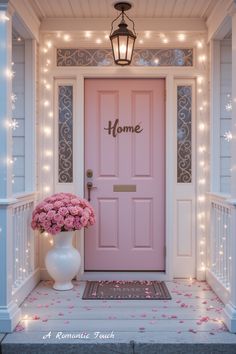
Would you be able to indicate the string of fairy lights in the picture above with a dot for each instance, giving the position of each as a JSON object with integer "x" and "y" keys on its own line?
{"x": 202, "y": 153}
{"x": 202, "y": 114}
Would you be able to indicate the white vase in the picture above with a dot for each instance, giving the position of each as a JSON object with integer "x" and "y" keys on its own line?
{"x": 63, "y": 261}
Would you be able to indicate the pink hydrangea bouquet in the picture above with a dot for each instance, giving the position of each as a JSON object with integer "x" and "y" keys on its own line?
{"x": 62, "y": 212}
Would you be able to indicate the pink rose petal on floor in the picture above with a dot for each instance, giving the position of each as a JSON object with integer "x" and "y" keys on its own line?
{"x": 204, "y": 319}
{"x": 36, "y": 317}
{"x": 60, "y": 314}
{"x": 141, "y": 329}
{"x": 19, "y": 328}
{"x": 192, "y": 330}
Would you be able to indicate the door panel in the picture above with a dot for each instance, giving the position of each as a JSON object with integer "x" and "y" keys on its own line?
{"x": 125, "y": 148}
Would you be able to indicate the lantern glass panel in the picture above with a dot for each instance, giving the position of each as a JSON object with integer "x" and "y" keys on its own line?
{"x": 123, "y": 47}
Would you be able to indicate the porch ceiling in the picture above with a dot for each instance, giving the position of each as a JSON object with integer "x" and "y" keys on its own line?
{"x": 141, "y": 9}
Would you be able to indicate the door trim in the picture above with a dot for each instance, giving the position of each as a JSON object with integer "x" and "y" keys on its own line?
{"x": 169, "y": 174}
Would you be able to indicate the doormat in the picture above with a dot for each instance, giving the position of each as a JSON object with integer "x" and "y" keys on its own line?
{"x": 126, "y": 290}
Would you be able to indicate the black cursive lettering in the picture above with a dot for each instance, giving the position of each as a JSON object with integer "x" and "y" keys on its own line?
{"x": 117, "y": 129}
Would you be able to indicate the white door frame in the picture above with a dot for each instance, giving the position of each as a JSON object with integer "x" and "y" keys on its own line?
{"x": 171, "y": 74}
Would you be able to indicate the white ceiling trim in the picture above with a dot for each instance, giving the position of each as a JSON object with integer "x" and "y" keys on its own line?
{"x": 219, "y": 22}
{"x": 25, "y": 19}
{"x": 141, "y": 24}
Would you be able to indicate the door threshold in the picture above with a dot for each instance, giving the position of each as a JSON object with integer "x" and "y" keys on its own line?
{"x": 123, "y": 276}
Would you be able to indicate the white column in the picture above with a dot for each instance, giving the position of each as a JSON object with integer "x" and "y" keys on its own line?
{"x": 233, "y": 142}
{"x": 215, "y": 115}
{"x": 230, "y": 309}
{"x": 9, "y": 311}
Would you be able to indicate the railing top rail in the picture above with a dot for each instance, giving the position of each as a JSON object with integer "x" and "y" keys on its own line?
{"x": 24, "y": 199}
{"x": 218, "y": 196}
{"x": 222, "y": 199}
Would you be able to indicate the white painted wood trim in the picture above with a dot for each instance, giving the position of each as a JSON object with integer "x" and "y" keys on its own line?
{"x": 10, "y": 316}
{"x": 5, "y": 107}
{"x": 218, "y": 196}
{"x": 79, "y": 148}
{"x": 124, "y": 276}
{"x": 25, "y": 289}
{"x": 30, "y": 115}
{"x": 218, "y": 22}
{"x": 24, "y": 19}
{"x": 103, "y": 24}
{"x": 215, "y": 99}
{"x": 233, "y": 124}
{"x": 185, "y": 265}
{"x": 217, "y": 286}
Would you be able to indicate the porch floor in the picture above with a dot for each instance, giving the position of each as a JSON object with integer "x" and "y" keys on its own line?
{"x": 191, "y": 321}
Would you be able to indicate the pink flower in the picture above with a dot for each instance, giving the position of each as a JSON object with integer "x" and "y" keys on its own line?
{"x": 48, "y": 206}
{"x": 59, "y": 220}
{"x": 35, "y": 217}
{"x": 51, "y": 214}
{"x": 77, "y": 223}
{"x": 84, "y": 221}
{"x": 46, "y": 224}
{"x": 74, "y": 210}
{"x": 63, "y": 211}
{"x": 58, "y": 204}
{"x": 69, "y": 221}
{"x": 42, "y": 217}
{"x": 75, "y": 201}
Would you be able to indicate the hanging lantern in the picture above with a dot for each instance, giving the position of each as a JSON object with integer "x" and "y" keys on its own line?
{"x": 122, "y": 39}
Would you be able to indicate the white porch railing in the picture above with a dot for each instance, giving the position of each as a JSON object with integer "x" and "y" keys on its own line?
{"x": 219, "y": 245}
{"x": 25, "y": 271}
{"x": 18, "y": 257}
{"x": 23, "y": 241}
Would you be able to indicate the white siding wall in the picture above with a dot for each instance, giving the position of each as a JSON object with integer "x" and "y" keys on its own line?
{"x": 18, "y": 87}
{"x": 225, "y": 116}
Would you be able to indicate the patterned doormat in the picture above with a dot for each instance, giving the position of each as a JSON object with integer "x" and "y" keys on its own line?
{"x": 126, "y": 290}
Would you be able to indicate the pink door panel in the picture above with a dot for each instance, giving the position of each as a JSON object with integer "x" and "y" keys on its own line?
{"x": 128, "y": 162}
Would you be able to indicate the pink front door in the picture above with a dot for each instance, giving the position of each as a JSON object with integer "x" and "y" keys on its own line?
{"x": 125, "y": 149}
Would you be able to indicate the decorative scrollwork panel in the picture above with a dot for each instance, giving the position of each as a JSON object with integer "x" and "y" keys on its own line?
{"x": 65, "y": 134}
{"x": 141, "y": 57}
{"x": 184, "y": 134}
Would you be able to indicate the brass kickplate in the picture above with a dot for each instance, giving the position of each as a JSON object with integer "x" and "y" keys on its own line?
{"x": 124, "y": 188}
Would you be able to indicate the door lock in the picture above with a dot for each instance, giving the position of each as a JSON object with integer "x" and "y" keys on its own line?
{"x": 89, "y": 173}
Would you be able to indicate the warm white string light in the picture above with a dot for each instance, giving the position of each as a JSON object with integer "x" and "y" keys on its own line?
{"x": 47, "y": 104}
{"x": 202, "y": 151}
